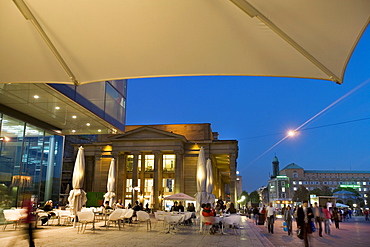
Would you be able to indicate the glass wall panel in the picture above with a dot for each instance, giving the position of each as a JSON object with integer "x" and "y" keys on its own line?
{"x": 115, "y": 104}
{"x": 10, "y": 157}
{"x": 30, "y": 163}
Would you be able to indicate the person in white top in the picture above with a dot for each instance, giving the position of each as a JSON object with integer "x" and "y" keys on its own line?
{"x": 270, "y": 216}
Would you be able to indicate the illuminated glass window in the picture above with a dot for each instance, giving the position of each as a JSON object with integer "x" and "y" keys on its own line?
{"x": 148, "y": 185}
{"x": 128, "y": 185}
{"x": 129, "y": 163}
{"x": 149, "y": 162}
{"x": 294, "y": 188}
{"x": 294, "y": 182}
{"x": 168, "y": 184}
{"x": 169, "y": 162}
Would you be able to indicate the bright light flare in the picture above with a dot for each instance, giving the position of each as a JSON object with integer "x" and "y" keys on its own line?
{"x": 292, "y": 133}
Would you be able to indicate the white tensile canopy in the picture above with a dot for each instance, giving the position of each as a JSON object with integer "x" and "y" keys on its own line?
{"x": 79, "y": 41}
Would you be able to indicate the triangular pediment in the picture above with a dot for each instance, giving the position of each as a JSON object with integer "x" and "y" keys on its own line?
{"x": 147, "y": 133}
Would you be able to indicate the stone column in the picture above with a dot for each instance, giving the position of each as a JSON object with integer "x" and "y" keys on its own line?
{"x": 179, "y": 172}
{"x": 142, "y": 176}
{"x": 233, "y": 196}
{"x": 121, "y": 177}
{"x": 157, "y": 179}
{"x": 135, "y": 176}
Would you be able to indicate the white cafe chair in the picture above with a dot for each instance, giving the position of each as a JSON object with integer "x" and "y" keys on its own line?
{"x": 207, "y": 222}
{"x": 172, "y": 221}
{"x": 128, "y": 215}
{"x": 12, "y": 216}
{"x": 115, "y": 217}
{"x": 159, "y": 216}
{"x": 232, "y": 222}
{"x": 85, "y": 218}
{"x": 144, "y": 217}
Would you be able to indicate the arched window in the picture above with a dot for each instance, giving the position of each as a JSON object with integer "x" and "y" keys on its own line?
{"x": 295, "y": 174}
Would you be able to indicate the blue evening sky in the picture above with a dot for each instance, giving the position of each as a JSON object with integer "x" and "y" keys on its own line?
{"x": 258, "y": 111}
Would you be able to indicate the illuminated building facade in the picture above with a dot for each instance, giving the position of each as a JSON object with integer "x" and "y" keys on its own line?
{"x": 311, "y": 179}
{"x": 161, "y": 160}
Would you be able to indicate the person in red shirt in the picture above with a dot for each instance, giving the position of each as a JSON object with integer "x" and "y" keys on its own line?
{"x": 208, "y": 211}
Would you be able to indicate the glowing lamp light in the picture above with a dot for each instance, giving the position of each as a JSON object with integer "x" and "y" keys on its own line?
{"x": 292, "y": 133}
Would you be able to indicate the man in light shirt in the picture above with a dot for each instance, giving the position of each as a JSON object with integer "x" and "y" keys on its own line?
{"x": 270, "y": 216}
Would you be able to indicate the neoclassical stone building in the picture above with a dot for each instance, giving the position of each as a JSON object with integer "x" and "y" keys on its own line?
{"x": 161, "y": 160}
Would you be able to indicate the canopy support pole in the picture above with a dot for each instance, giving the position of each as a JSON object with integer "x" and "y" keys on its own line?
{"x": 29, "y": 16}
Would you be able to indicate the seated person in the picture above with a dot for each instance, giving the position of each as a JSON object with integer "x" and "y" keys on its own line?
{"x": 119, "y": 204}
{"x": 48, "y": 207}
{"x": 232, "y": 209}
{"x": 208, "y": 211}
{"x": 175, "y": 207}
{"x": 191, "y": 207}
{"x": 106, "y": 205}
{"x": 181, "y": 207}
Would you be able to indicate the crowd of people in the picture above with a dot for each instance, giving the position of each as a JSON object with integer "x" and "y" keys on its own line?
{"x": 308, "y": 219}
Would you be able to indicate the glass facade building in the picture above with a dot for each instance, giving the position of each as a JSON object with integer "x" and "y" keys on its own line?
{"x": 34, "y": 121}
{"x": 30, "y": 162}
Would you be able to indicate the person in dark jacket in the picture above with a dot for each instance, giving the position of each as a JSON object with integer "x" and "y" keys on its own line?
{"x": 304, "y": 219}
{"x": 48, "y": 207}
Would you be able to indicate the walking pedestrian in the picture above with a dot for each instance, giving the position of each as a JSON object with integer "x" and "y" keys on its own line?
{"x": 256, "y": 215}
{"x": 288, "y": 217}
{"x": 327, "y": 219}
{"x": 317, "y": 212}
{"x": 270, "y": 215}
{"x": 305, "y": 216}
{"x": 336, "y": 216}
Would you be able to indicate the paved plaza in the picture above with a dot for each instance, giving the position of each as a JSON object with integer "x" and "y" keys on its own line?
{"x": 352, "y": 233}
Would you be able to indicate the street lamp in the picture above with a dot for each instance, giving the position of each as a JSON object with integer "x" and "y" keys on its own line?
{"x": 292, "y": 133}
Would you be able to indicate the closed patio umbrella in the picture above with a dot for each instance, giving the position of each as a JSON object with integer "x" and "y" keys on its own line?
{"x": 111, "y": 184}
{"x": 77, "y": 196}
{"x": 201, "y": 195}
{"x": 210, "y": 182}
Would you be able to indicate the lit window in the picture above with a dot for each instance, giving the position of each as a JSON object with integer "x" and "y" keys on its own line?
{"x": 300, "y": 182}
{"x": 365, "y": 189}
{"x": 294, "y": 188}
{"x": 294, "y": 182}
{"x": 363, "y": 183}
{"x": 283, "y": 189}
{"x": 169, "y": 162}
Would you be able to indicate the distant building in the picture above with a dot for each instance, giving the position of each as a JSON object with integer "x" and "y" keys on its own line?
{"x": 278, "y": 186}
{"x": 311, "y": 179}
